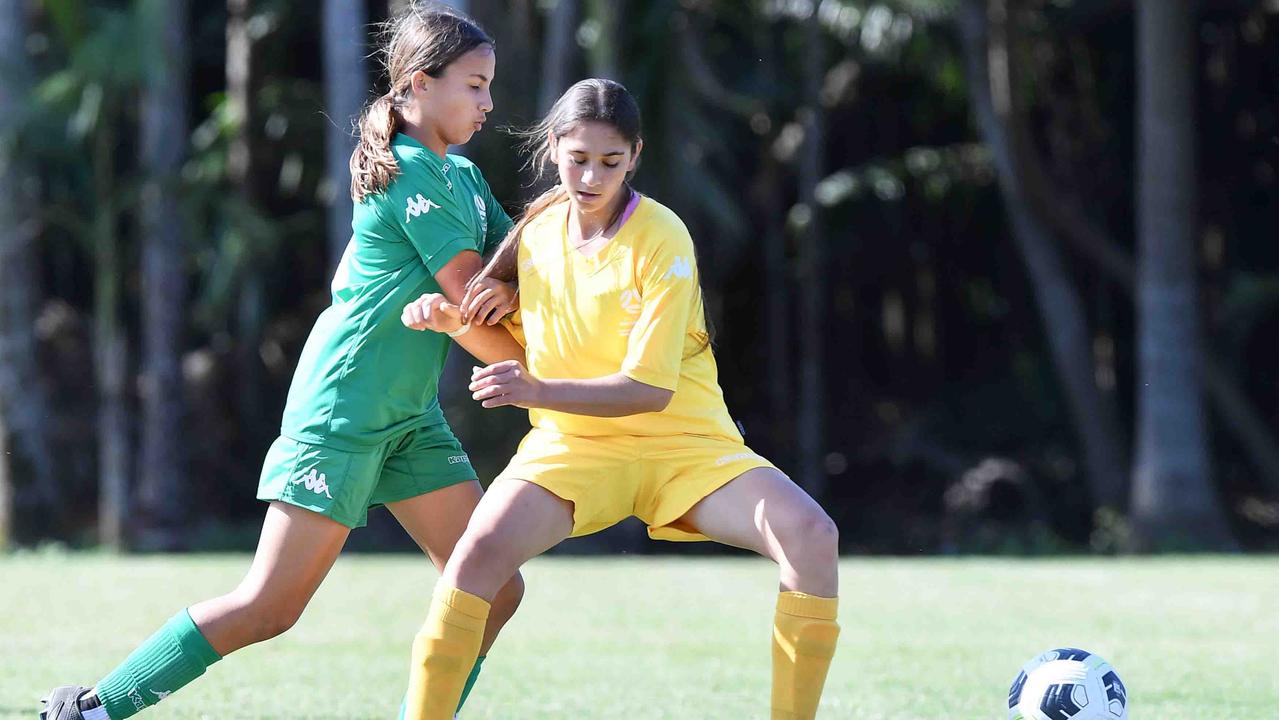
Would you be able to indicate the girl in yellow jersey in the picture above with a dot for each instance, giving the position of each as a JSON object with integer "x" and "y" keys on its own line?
{"x": 627, "y": 413}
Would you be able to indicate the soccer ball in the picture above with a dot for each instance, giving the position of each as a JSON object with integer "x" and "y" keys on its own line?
{"x": 1067, "y": 684}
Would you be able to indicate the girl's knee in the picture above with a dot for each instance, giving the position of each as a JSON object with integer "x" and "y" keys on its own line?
{"x": 809, "y": 532}
{"x": 508, "y": 598}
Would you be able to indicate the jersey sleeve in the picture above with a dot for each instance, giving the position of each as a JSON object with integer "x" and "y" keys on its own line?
{"x": 670, "y": 294}
{"x": 514, "y": 324}
{"x": 429, "y": 218}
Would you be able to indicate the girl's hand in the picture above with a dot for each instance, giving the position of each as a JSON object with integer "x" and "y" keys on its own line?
{"x": 487, "y": 301}
{"x": 505, "y": 383}
{"x": 432, "y": 312}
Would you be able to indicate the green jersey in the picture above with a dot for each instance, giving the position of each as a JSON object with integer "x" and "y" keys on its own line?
{"x": 363, "y": 377}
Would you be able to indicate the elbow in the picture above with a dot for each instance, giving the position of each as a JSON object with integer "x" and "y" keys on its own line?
{"x": 658, "y": 400}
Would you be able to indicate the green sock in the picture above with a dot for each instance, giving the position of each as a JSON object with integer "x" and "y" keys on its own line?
{"x": 174, "y": 656}
{"x": 470, "y": 683}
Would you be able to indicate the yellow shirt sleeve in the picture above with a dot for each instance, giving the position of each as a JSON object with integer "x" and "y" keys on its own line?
{"x": 670, "y": 303}
{"x": 515, "y": 325}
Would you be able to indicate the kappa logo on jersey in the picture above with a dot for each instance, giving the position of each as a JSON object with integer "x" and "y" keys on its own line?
{"x": 681, "y": 268}
{"x": 316, "y": 482}
{"x": 444, "y": 170}
{"x": 418, "y": 206}
{"x": 458, "y": 459}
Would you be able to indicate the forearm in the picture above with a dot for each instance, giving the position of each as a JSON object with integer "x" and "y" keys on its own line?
{"x": 490, "y": 344}
{"x": 610, "y": 396}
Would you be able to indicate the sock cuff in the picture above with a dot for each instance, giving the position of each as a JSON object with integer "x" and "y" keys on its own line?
{"x": 809, "y": 606}
{"x": 463, "y": 602}
{"x": 192, "y": 640}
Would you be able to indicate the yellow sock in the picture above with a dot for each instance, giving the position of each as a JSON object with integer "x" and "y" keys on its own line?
{"x": 804, "y": 634}
{"x": 444, "y": 652}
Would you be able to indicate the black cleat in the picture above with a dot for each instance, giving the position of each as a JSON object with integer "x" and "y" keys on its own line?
{"x": 63, "y": 703}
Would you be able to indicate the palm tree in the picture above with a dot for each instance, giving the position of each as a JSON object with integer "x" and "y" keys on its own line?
{"x": 1173, "y": 498}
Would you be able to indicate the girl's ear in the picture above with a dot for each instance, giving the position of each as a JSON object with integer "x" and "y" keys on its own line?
{"x": 552, "y": 144}
{"x": 639, "y": 147}
{"x": 419, "y": 81}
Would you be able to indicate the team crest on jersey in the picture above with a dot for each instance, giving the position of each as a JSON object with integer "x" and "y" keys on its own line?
{"x": 484, "y": 215}
{"x": 419, "y": 205}
{"x": 631, "y": 306}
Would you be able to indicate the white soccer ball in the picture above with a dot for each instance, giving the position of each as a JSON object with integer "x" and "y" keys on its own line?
{"x": 1067, "y": 684}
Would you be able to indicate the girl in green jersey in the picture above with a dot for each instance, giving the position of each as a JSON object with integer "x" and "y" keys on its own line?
{"x": 362, "y": 426}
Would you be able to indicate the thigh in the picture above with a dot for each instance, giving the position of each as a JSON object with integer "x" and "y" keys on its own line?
{"x": 514, "y": 521}
{"x": 295, "y": 552}
{"x": 437, "y": 519}
{"x": 744, "y": 512}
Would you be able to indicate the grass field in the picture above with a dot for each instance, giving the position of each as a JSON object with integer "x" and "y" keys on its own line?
{"x": 674, "y": 637}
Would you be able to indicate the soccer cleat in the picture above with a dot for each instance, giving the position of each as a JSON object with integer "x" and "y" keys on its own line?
{"x": 62, "y": 703}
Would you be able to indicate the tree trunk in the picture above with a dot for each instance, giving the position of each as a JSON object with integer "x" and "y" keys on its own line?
{"x": 983, "y": 29}
{"x": 346, "y": 83}
{"x": 243, "y": 175}
{"x": 162, "y": 476}
{"x": 110, "y": 351}
{"x": 558, "y": 51}
{"x": 812, "y": 271}
{"x": 1174, "y": 502}
{"x": 24, "y": 405}
{"x": 605, "y": 53}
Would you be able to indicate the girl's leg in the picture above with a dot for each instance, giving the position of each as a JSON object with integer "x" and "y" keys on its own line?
{"x": 436, "y": 521}
{"x": 762, "y": 510}
{"x": 513, "y": 522}
{"x": 295, "y": 552}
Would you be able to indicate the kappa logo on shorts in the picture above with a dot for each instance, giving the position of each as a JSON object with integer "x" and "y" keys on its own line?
{"x": 315, "y": 481}
{"x": 738, "y": 456}
{"x": 458, "y": 459}
{"x": 419, "y": 205}
{"x": 136, "y": 698}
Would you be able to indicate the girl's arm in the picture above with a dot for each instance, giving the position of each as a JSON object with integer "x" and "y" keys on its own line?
{"x": 487, "y": 343}
{"x": 616, "y": 395}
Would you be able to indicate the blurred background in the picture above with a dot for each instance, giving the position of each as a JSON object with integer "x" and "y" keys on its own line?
{"x": 993, "y": 276}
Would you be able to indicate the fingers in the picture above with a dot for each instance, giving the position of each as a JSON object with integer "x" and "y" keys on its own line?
{"x": 478, "y": 373}
{"x": 471, "y": 304}
{"x": 491, "y": 311}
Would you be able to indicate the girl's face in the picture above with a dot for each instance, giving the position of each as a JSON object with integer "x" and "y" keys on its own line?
{"x": 593, "y": 160}
{"x": 454, "y": 106}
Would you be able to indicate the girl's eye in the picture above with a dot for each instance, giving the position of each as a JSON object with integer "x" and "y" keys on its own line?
{"x": 611, "y": 165}
{"x": 578, "y": 162}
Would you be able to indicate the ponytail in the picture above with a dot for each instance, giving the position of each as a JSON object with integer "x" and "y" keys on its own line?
{"x": 504, "y": 265}
{"x": 373, "y": 166}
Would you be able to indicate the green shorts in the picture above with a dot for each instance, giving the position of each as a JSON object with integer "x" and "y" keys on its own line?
{"x": 343, "y": 485}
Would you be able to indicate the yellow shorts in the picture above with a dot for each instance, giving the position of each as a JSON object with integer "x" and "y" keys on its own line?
{"x": 657, "y": 479}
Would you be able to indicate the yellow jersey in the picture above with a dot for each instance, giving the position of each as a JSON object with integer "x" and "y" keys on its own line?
{"x": 635, "y": 307}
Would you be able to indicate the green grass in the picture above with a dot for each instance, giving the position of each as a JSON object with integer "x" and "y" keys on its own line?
{"x": 673, "y": 638}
